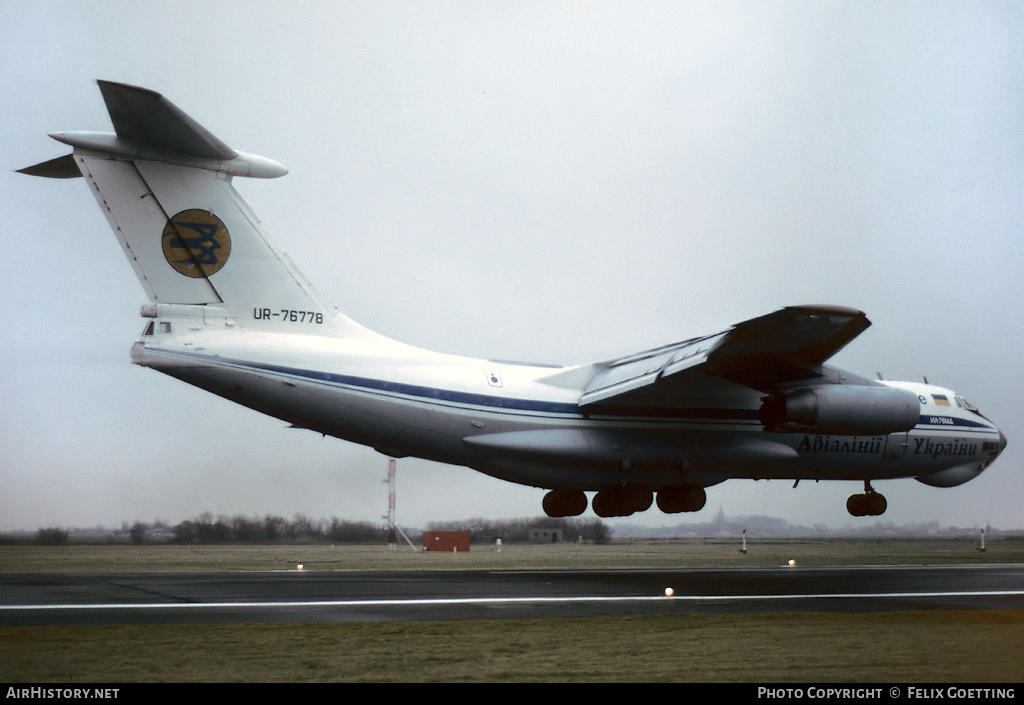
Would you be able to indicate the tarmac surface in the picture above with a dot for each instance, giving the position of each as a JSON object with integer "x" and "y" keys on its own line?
{"x": 318, "y": 596}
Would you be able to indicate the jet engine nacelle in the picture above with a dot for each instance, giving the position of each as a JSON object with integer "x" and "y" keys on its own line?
{"x": 846, "y": 409}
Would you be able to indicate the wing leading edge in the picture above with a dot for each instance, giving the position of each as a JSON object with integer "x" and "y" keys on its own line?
{"x": 762, "y": 353}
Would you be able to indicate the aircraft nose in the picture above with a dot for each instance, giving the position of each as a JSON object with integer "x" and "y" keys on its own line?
{"x": 1002, "y": 441}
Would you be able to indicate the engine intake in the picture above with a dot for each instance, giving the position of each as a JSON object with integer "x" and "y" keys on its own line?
{"x": 844, "y": 409}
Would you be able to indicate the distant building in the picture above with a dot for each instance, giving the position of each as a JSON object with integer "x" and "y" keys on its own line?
{"x": 545, "y": 536}
{"x": 446, "y": 541}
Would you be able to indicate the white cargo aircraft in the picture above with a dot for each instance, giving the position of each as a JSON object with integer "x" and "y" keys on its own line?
{"x": 231, "y": 314}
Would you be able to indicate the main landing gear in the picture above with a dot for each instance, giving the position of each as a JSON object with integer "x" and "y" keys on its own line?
{"x": 869, "y": 504}
{"x": 624, "y": 500}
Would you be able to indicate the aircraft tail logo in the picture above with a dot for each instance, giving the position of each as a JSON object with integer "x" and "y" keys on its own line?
{"x": 196, "y": 243}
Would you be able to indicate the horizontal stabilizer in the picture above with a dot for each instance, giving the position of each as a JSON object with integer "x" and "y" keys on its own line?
{"x": 59, "y": 168}
{"x": 149, "y": 127}
{"x": 145, "y": 116}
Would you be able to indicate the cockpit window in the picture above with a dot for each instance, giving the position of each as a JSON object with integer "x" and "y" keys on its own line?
{"x": 964, "y": 404}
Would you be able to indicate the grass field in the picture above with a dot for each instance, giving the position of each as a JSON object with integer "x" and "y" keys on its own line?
{"x": 951, "y": 646}
{"x": 633, "y": 554}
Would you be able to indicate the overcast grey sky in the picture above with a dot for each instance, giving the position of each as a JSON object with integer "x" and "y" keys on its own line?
{"x": 546, "y": 181}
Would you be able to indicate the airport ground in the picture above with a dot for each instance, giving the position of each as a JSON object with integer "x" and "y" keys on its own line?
{"x": 640, "y": 553}
{"x": 910, "y": 646}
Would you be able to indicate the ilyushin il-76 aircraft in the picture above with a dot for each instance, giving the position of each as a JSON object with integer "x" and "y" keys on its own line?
{"x": 230, "y": 313}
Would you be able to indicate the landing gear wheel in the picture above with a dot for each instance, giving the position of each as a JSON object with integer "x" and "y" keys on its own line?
{"x": 681, "y": 498}
{"x": 869, "y": 504}
{"x": 622, "y": 501}
{"x": 564, "y": 503}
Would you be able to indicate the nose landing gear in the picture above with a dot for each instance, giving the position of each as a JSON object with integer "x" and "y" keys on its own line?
{"x": 869, "y": 504}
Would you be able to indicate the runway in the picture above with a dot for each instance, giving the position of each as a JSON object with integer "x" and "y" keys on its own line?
{"x": 324, "y": 596}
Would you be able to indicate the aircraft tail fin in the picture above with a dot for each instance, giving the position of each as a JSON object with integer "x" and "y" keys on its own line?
{"x": 164, "y": 184}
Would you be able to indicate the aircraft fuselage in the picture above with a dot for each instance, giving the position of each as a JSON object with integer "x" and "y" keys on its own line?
{"x": 524, "y": 423}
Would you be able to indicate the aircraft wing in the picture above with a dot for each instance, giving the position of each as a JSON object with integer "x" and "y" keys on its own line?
{"x": 785, "y": 346}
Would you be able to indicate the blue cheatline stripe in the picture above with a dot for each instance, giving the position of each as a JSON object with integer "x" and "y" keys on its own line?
{"x": 534, "y": 405}
{"x": 928, "y": 422}
{"x": 473, "y": 399}
{"x": 413, "y": 390}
